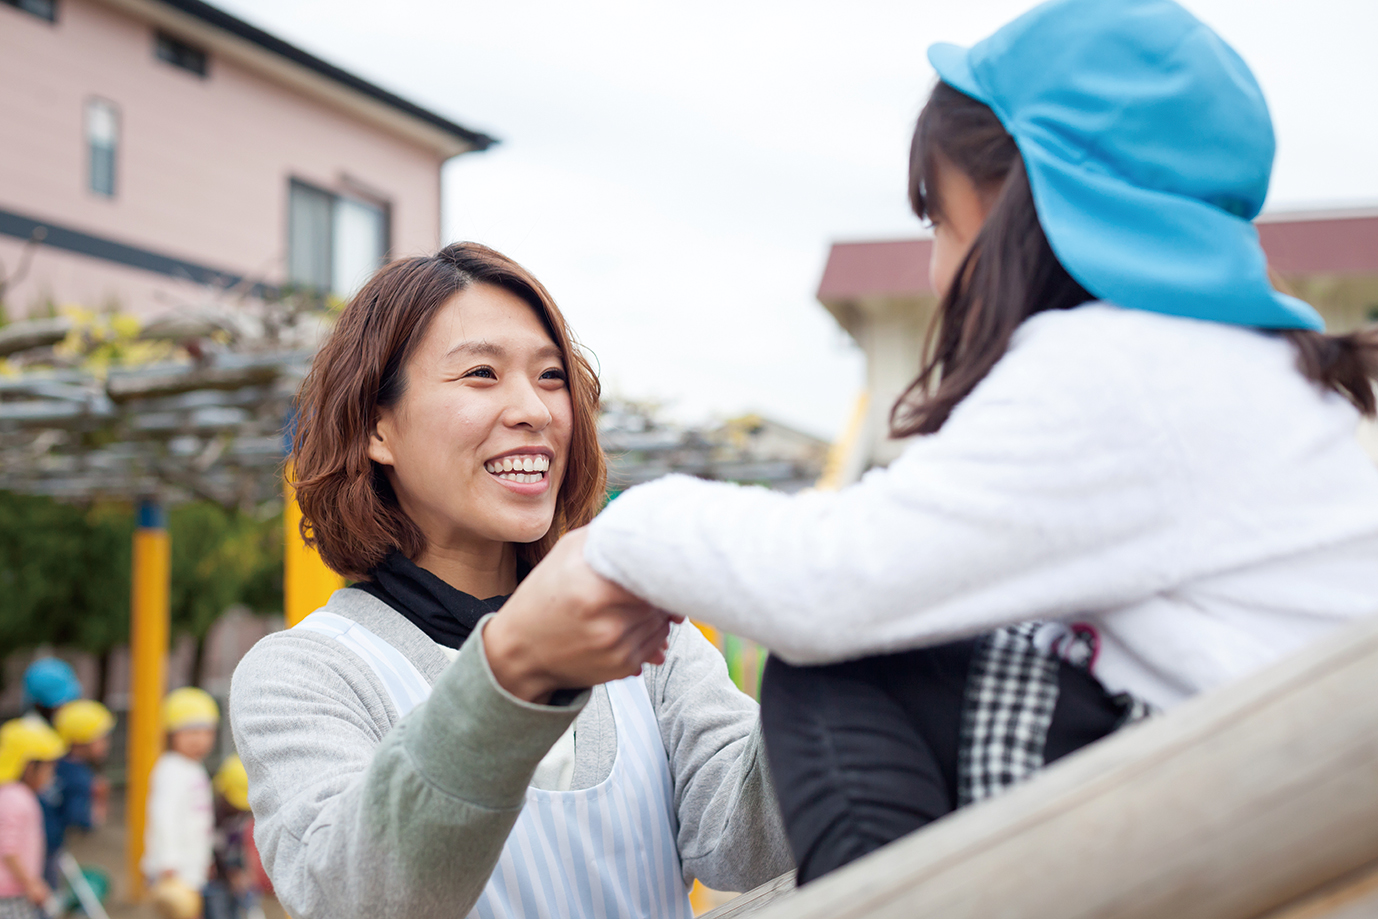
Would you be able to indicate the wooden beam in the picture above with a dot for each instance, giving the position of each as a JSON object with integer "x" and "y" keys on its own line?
{"x": 752, "y": 901}
{"x": 1239, "y": 802}
{"x": 1354, "y": 896}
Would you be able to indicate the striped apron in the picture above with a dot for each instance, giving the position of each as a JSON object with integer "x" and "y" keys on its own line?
{"x": 606, "y": 851}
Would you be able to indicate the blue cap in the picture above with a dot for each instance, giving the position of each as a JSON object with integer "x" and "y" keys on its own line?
{"x": 50, "y": 682}
{"x": 1148, "y": 147}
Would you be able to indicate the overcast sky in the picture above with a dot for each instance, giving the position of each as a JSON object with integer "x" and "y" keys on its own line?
{"x": 675, "y": 173}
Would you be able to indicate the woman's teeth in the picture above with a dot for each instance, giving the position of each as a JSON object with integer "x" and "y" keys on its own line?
{"x": 526, "y": 468}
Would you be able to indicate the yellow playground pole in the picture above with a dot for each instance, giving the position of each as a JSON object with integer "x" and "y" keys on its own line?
{"x": 148, "y": 644}
{"x": 306, "y": 582}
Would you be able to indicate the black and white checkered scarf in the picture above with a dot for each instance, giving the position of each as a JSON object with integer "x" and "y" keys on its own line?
{"x": 1010, "y": 696}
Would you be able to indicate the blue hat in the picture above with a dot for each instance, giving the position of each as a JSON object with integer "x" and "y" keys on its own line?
{"x": 50, "y": 683}
{"x": 1148, "y": 147}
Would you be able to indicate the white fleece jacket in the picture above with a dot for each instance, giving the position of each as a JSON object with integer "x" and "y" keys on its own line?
{"x": 1176, "y": 484}
{"x": 180, "y": 831}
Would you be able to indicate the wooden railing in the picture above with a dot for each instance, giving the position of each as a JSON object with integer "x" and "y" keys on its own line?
{"x": 1255, "y": 801}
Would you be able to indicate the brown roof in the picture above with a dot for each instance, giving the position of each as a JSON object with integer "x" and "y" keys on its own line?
{"x": 1334, "y": 242}
{"x": 876, "y": 268}
{"x": 1319, "y": 243}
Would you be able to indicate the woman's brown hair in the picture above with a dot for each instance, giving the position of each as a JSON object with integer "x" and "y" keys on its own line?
{"x": 349, "y": 511}
{"x": 1011, "y": 273}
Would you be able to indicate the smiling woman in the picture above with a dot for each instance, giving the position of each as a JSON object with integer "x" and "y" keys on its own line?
{"x": 487, "y": 345}
{"x": 426, "y": 744}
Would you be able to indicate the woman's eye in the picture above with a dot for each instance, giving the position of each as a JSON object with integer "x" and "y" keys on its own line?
{"x": 554, "y": 375}
{"x": 482, "y": 372}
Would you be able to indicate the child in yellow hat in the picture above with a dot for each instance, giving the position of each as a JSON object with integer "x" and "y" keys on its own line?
{"x": 29, "y": 750}
{"x": 78, "y": 794}
{"x": 179, "y": 833}
{"x": 235, "y": 891}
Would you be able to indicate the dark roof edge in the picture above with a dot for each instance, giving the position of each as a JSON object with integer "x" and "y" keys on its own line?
{"x": 223, "y": 20}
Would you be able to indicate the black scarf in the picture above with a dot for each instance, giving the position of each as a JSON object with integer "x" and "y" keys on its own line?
{"x": 447, "y": 615}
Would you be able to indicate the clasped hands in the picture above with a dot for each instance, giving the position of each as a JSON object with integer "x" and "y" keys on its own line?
{"x": 567, "y": 627}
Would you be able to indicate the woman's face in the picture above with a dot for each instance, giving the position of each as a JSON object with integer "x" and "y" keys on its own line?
{"x": 476, "y": 447}
{"x": 959, "y": 211}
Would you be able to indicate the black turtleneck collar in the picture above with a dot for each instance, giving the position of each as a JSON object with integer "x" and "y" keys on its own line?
{"x": 447, "y": 615}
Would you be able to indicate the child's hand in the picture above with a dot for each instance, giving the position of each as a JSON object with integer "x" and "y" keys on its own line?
{"x": 37, "y": 890}
{"x": 100, "y": 800}
{"x": 566, "y": 627}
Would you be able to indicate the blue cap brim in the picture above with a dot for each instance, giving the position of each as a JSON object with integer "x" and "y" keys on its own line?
{"x": 951, "y": 62}
{"x": 1152, "y": 250}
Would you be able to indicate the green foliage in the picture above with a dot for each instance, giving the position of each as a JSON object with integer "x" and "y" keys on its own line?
{"x": 64, "y": 574}
{"x": 220, "y": 558}
{"x": 65, "y": 570}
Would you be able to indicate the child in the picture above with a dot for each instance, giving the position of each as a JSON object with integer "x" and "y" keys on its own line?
{"x": 180, "y": 830}
{"x": 1137, "y": 460}
{"x": 28, "y": 752}
{"x": 77, "y": 797}
{"x": 234, "y": 892}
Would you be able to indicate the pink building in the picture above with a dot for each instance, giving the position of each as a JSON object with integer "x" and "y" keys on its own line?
{"x": 155, "y": 150}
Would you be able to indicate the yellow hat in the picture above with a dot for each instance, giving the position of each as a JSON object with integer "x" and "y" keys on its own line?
{"x": 27, "y": 740}
{"x": 83, "y": 721}
{"x": 175, "y": 899}
{"x": 233, "y": 782}
{"x": 189, "y": 707}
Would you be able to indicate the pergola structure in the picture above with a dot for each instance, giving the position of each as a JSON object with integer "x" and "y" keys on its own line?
{"x": 203, "y": 418}
{"x": 173, "y": 430}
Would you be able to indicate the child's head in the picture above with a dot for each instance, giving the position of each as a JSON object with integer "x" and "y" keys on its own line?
{"x": 48, "y": 684}
{"x": 29, "y": 751}
{"x": 85, "y": 726}
{"x": 1090, "y": 149}
{"x": 191, "y": 717}
{"x": 232, "y": 782}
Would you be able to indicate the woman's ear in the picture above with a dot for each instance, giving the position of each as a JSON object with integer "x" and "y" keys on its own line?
{"x": 380, "y": 439}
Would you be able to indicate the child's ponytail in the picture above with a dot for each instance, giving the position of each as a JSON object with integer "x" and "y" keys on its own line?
{"x": 1011, "y": 273}
{"x": 1347, "y": 364}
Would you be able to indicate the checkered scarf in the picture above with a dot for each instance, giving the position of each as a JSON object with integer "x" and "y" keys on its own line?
{"x": 1010, "y": 696}
{"x": 18, "y": 908}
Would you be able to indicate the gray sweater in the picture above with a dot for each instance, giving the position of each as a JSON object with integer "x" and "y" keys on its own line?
{"x": 362, "y": 814}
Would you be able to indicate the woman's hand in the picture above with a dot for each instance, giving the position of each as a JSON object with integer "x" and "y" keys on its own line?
{"x": 566, "y": 627}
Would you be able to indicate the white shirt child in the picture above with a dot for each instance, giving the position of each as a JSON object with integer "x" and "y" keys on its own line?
{"x": 181, "y": 821}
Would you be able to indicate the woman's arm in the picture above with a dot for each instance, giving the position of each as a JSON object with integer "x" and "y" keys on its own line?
{"x": 35, "y": 888}
{"x": 730, "y": 833}
{"x": 351, "y": 823}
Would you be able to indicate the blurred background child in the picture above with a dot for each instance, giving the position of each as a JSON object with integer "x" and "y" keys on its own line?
{"x": 235, "y": 891}
{"x": 78, "y": 794}
{"x": 29, "y": 749}
{"x": 180, "y": 827}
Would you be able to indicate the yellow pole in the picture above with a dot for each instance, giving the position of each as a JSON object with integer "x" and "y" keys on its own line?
{"x": 148, "y": 644}
{"x": 841, "y": 450}
{"x": 306, "y": 582}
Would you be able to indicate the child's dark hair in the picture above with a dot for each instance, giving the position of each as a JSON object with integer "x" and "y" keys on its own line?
{"x": 1011, "y": 273}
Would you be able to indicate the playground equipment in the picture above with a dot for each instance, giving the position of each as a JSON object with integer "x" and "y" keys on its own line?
{"x": 1258, "y": 800}
{"x": 89, "y": 886}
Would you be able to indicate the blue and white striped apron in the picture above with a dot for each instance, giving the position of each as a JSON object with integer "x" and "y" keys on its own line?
{"x": 606, "y": 851}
